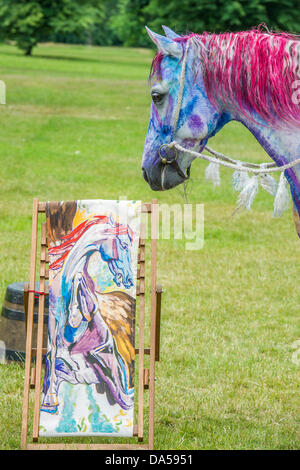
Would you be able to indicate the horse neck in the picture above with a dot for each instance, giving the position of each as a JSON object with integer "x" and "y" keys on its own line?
{"x": 280, "y": 141}
{"x": 282, "y": 145}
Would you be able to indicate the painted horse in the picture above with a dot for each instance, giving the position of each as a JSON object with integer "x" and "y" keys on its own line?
{"x": 252, "y": 77}
{"x": 83, "y": 348}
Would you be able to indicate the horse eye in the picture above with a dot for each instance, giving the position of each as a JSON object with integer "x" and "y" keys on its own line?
{"x": 157, "y": 97}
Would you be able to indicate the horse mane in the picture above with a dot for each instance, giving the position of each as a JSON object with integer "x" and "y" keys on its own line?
{"x": 250, "y": 71}
{"x": 68, "y": 241}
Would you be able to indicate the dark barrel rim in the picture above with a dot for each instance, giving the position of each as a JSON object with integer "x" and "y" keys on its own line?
{"x": 13, "y": 304}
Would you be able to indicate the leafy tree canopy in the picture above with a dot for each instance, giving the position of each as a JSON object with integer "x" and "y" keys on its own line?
{"x": 202, "y": 15}
{"x": 31, "y": 21}
{"x": 110, "y": 22}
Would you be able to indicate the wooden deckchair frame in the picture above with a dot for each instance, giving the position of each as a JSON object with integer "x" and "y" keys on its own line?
{"x": 32, "y": 379}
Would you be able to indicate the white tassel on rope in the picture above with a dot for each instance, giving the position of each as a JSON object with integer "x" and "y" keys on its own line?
{"x": 267, "y": 182}
{"x": 212, "y": 173}
{"x": 247, "y": 195}
{"x": 240, "y": 179}
{"x": 282, "y": 198}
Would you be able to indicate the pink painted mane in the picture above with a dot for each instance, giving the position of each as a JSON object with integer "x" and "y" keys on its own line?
{"x": 249, "y": 71}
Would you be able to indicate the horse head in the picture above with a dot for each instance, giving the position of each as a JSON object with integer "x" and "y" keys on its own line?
{"x": 200, "y": 82}
{"x": 180, "y": 109}
{"x": 115, "y": 250}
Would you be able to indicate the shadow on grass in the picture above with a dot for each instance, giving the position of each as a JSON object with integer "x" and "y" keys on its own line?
{"x": 45, "y": 56}
{"x": 75, "y": 59}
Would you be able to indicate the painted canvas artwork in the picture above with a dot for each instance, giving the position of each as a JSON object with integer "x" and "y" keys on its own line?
{"x": 89, "y": 375}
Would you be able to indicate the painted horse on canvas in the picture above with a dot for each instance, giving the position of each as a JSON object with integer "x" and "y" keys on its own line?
{"x": 83, "y": 348}
{"x": 252, "y": 77}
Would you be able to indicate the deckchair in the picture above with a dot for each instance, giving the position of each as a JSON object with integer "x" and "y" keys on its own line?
{"x": 80, "y": 322}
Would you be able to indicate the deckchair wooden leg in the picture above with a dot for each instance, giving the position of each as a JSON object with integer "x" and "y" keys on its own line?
{"x": 29, "y": 325}
{"x": 154, "y": 226}
{"x": 38, "y": 374}
{"x": 158, "y": 314}
{"x": 25, "y": 298}
{"x": 140, "y": 432}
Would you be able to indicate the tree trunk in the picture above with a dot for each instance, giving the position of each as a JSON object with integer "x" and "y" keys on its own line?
{"x": 28, "y": 51}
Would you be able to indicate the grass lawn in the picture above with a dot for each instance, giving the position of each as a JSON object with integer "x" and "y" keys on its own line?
{"x": 74, "y": 128}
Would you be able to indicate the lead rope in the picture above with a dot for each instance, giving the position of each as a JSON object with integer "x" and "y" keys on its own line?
{"x": 247, "y": 186}
{"x": 241, "y": 166}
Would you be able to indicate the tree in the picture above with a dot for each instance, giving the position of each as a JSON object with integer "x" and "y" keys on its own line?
{"x": 109, "y": 22}
{"x": 185, "y": 16}
{"x": 28, "y": 22}
{"x": 224, "y": 15}
{"x": 129, "y": 22}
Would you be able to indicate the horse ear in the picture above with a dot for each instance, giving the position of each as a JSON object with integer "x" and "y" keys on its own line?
{"x": 169, "y": 33}
{"x": 165, "y": 45}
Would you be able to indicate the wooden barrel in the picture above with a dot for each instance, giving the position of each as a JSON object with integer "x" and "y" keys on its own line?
{"x": 12, "y": 325}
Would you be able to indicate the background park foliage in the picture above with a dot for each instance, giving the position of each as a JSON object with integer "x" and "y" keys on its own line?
{"x": 121, "y": 22}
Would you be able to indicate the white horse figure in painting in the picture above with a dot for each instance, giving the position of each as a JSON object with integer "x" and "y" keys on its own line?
{"x": 82, "y": 346}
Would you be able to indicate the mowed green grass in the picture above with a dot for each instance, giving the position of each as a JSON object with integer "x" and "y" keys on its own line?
{"x": 74, "y": 127}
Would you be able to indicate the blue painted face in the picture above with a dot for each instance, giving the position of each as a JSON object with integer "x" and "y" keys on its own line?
{"x": 122, "y": 265}
{"x": 198, "y": 119}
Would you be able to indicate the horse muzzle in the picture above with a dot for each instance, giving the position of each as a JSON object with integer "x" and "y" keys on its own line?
{"x": 167, "y": 172}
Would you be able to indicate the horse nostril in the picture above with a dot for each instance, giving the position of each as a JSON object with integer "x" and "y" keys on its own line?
{"x": 145, "y": 175}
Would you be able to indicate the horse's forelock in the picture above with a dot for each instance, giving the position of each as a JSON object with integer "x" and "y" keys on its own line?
{"x": 156, "y": 65}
